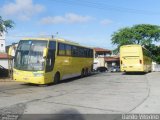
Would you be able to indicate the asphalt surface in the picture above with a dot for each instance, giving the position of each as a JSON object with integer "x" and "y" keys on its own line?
{"x": 102, "y": 93}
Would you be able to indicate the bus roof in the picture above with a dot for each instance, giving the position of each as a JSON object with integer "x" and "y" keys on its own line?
{"x": 59, "y": 40}
{"x": 134, "y": 45}
{"x": 36, "y": 39}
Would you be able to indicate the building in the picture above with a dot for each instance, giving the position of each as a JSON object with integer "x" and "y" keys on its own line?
{"x": 103, "y": 59}
{"x": 12, "y": 47}
{"x": 2, "y": 42}
{"x": 3, "y": 55}
{"x": 4, "y": 60}
{"x": 99, "y": 59}
{"x": 112, "y": 61}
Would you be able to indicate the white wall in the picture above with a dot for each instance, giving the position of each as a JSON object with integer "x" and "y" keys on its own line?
{"x": 2, "y": 42}
{"x": 4, "y": 63}
{"x": 155, "y": 67}
{"x": 2, "y": 45}
{"x": 99, "y": 62}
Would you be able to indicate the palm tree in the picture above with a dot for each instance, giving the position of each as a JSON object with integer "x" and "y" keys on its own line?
{"x": 5, "y": 24}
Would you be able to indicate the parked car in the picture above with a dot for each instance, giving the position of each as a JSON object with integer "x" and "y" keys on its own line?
{"x": 3, "y": 71}
{"x": 115, "y": 69}
{"x": 102, "y": 69}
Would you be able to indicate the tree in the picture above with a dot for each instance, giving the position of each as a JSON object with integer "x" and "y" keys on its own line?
{"x": 154, "y": 51}
{"x": 143, "y": 34}
{"x": 5, "y": 25}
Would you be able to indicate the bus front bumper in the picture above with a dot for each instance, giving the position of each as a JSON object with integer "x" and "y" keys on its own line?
{"x": 28, "y": 77}
{"x": 132, "y": 69}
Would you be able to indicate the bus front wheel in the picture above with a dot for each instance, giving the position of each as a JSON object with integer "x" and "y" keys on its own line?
{"x": 56, "y": 78}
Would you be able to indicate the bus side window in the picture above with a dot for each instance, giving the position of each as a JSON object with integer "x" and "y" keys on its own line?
{"x": 74, "y": 51}
{"x": 61, "y": 49}
{"x": 81, "y": 52}
{"x": 88, "y": 52}
{"x": 85, "y": 52}
{"x": 51, "y": 56}
{"x": 91, "y": 53}
{"x": 68, "y": 50}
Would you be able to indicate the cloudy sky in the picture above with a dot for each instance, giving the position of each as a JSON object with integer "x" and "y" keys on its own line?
{"x": 89, "y": 22}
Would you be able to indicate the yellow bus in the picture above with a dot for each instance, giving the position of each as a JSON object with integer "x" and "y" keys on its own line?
{"x": 47, "y": 60}
{"x": 135, "y": 58}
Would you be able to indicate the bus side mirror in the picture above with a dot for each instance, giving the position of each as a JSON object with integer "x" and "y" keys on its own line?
{"x": 10, "y": 51}
{"x": 45, "y": 52}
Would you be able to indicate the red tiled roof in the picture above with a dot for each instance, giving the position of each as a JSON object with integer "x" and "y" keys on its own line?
{"x": 115, "y": 58}
{"x": 3, "y": 56}
{"x": 102, "y": 50}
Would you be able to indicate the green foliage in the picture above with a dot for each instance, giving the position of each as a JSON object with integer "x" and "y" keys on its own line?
{"x": 155, "y": 51}
{"x": 143, "y": 34}
{"x": 5, "y": 24}
{"x": 158, "y": 59}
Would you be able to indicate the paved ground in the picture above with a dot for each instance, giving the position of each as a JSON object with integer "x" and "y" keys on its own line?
{"x": 96, "y": 94}
{"x": 152, "y": 102}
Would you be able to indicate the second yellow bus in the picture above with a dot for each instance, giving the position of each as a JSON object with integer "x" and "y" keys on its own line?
{"x": 135, "y": 58}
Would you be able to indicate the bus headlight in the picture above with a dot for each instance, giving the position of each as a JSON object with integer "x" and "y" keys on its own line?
{"x": 38, "y": 74}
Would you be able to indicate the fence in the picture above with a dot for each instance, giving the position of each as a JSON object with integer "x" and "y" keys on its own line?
{"x": 156, "y": 67}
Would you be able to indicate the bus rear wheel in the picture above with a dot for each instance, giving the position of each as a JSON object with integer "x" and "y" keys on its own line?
{"x": 82, "y": 73}
{"x": 56, "y": 78}
{"x": 86, "y": 72}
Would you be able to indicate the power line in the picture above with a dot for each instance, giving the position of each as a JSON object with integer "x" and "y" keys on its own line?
{"x": 102, "y": 6}
{"x": 40, "y": 35}
{"x": 25, "y": 36}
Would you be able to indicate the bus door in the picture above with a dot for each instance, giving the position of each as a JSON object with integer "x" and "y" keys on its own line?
{"x": 50, "y": 59}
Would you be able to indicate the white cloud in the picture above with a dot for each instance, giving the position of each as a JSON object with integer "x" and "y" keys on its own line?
{"x": 22, "y": 9}
{"x": 68, "y": 18}
{"x": 106, "y": 22}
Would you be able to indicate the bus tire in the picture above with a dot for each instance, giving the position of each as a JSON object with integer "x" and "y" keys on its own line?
{"x": 56, "y": 78}
{"x": 86, "y": 72}
{"x": 89, "y": 72}
{"x": 82, "y": 73}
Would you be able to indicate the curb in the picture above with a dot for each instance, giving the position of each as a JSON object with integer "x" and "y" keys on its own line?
{"x": 6, "y": 80}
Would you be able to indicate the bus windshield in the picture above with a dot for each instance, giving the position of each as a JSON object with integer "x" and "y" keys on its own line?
{"x": 29, "y": 55}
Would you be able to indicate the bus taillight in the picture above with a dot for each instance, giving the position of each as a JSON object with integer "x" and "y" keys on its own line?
{"x": 140, "y": 61}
